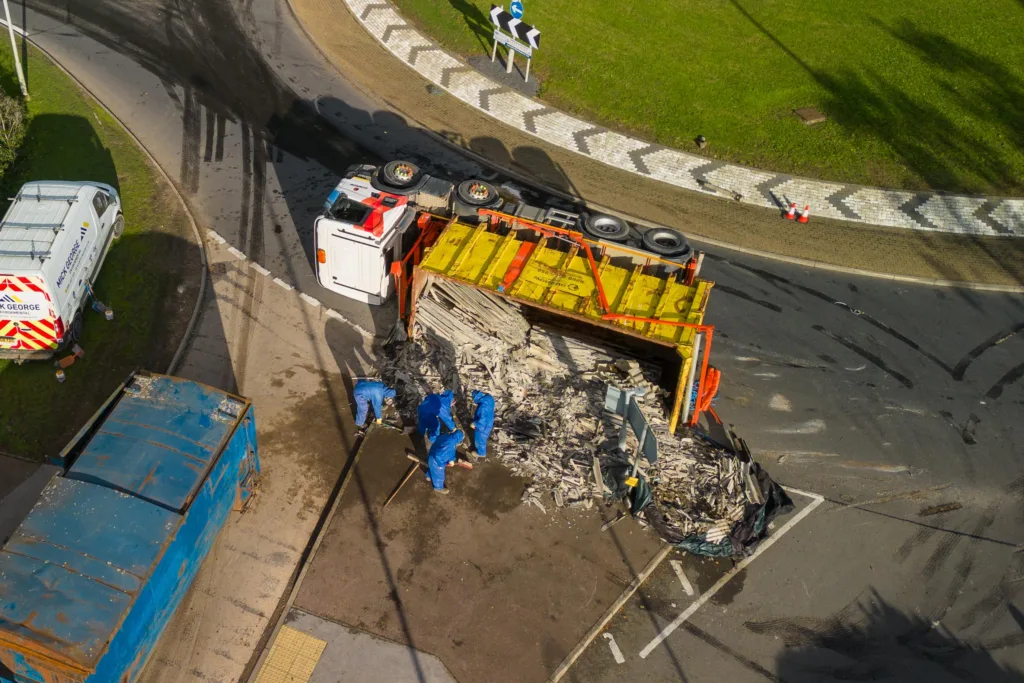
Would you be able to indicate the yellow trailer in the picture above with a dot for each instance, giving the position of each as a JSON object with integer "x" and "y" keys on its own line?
{"x": 603, "y": 288}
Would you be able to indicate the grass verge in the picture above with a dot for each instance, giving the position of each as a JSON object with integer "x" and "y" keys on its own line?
{"x": 919, "y": 94}
{"x": 150, "y": 277}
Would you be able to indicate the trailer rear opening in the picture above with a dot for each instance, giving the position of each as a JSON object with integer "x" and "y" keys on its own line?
{"x": 599, "y": 291}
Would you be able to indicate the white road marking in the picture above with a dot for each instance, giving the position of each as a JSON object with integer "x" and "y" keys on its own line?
{"x": 331, "y": 313}
{"x": 236, "y": 253}
{"x": 309, "y": 300}
{"x": 768, "y": 543}
{"x": 766, "y": 375}
{"x": 17, "y": 29}
{"x": 215, "y": 237}
{"x": 677, "y": 566}
{"x": 809, "y": 427}
{"x": 616, "y": 652}
{"x": 780, "y": 403}
{"x": 857, "y": 369}
{"x": 283, "y": 284}
{"x": 259, "y": 269}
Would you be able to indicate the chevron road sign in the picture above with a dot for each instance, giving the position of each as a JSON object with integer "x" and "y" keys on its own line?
{"x": 518, "y": 31}
{"x": 514, "y": 27}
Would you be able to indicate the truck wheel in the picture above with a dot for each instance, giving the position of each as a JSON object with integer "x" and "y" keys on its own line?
{"x": 667, "y": 242}
{"x": 476, "y": 193}
{"x": 75, "y": 329}
{"x": 601, "y": 226}
{"x": 399, "y": 174}
{"x": 118, "y": 227}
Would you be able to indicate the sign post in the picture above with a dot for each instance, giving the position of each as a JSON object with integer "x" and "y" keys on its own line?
{"x": 522, "y": 38}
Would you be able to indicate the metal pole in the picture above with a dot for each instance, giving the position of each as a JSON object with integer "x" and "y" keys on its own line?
{"x": 508, "y": 66}
{"x": 494, "y": 50}
{"x": 640, "y": 441}
{"x": 528, "y": 60}
{"x": 14, "y": 51}
{"x": 624, "y": 431}
{"x": 688, "y": 389}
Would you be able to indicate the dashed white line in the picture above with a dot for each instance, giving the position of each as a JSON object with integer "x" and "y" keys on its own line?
{"x": 259, "y": 269}
{"x": 616, "y": 652}
{"x": 309, "y": 300}
{"x": 215, "y": 237}
{"x": 236, "y": 253}
{"x": 677, "y": 566}
{"x": 283, "y": 284}
{"x": 331, "y": 313}
{"x": 699, "y": 602}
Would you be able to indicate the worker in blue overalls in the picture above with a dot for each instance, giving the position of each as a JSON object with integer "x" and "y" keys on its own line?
{"x": 369, "y": 392}
{"x": 433, "y": 411}
{"x": 442, "y": 455}
{"x": 483, "y": 422}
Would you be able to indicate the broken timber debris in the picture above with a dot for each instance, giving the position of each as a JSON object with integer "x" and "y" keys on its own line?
{"x": 551, "y": 424}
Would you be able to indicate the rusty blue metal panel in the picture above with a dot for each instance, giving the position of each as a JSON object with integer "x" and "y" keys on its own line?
{"x": 171, "y": 578}
{"x": 158, "y": 441}
{"x": 70, "y": 572}
{"x": 107, "y": 537}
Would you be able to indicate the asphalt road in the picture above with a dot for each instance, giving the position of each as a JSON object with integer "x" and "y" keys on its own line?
{"x": 856, "y": 388}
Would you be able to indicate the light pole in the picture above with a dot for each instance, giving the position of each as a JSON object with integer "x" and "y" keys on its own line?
{"x": 14, "y": 51}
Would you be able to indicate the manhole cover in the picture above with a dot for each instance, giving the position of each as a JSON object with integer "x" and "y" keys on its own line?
{"x": 810, "y": 115}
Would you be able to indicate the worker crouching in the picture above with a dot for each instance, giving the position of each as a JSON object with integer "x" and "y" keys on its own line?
{"x": 370, "y": 392}
{"x": 433, "y": 411}
{"x": 441, "y": 456}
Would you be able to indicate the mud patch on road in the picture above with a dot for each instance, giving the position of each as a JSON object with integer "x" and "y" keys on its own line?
{"x": 318, "y": 435}
{"x": 493, "y": 490}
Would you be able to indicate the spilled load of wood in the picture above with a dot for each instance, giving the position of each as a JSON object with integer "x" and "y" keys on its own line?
{"x": 551, "y": 423}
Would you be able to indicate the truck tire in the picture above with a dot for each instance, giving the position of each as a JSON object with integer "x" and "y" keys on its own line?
{"x": 600, "y": 226}
{"x": 399, "y": 174}
{"x": 667, "y": 242}
{"x": 477, "y": 193}
{"x": 75, "y": 329}
{"x": 118, "y": 227}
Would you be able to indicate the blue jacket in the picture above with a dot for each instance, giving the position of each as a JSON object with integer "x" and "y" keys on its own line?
{"x": 483, "y": 419}
{"x": 434, "y": 410}
{"x": 442, "y": 451}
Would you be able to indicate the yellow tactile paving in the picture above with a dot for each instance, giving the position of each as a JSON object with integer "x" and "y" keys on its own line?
{"x": 292, "y": 658}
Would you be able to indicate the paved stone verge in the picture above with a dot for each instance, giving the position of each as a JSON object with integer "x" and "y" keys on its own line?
{"x": 928, "y": 255}
{"x": 956, "y": 214}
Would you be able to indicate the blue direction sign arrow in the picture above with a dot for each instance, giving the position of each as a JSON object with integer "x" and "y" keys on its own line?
{"x": 516, "y": 9}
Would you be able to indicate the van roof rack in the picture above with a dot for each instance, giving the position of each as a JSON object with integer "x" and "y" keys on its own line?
{"x": 33, "y": 253}
{"x": 39, "y": 196}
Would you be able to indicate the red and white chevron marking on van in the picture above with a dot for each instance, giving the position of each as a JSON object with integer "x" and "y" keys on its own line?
{"x": 27, "y": 331}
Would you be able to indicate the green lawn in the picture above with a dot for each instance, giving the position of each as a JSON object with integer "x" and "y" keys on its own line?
{"x": 920, "y": 93}
{"x": 70, "y": 138}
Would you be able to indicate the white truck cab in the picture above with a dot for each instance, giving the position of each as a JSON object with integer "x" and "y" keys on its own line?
{"x": 53, "y": 240}
{"x": 368, "y": 224}
{"x": 371, "y": 220}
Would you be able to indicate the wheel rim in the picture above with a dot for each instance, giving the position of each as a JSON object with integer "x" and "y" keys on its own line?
{"x": 479, "y": 191}
{"x": 403, "y": 172}
{"x": 605, "y": 226}
{"x": 667, "y": 240}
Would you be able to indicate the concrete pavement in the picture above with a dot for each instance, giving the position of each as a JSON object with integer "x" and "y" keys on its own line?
{"x": 854, "y": 387}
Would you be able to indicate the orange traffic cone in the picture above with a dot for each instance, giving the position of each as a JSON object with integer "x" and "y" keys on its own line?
{"x": 791, "y": 214}
{"x": 805, "y": 214}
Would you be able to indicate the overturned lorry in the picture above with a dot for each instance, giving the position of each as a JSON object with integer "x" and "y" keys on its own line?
{"x": 545, "y": 307}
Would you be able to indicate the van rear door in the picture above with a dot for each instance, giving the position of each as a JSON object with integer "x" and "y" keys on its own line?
{"x": 27, "y": 319}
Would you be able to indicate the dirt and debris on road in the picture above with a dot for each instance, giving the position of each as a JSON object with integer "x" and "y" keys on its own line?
{"x": 551, "y": 420}
{"x": 499, "y": 591}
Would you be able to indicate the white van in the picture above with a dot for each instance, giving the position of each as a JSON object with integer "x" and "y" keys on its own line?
{"x": 53, "y": 240}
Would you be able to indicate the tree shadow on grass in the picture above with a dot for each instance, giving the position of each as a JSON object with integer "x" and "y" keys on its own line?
{"x": 919, "y": 133}
{"x": 873, "y": 640}
{"x": 150, "y": 278}
{"x": 476, "y": 20}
